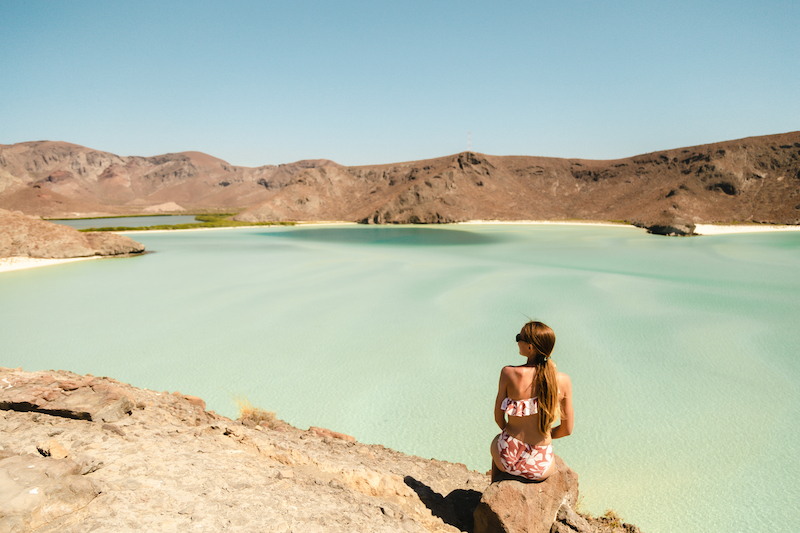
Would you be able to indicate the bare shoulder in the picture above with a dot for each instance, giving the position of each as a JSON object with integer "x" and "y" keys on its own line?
{"x": 510, "y": 370}
{"x": 506, "y": 373}
{"x": 564, "y": 384}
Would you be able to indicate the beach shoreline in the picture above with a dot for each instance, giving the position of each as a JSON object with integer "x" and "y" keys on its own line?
{"x": 700, "y": 229}
{"x": 8, "y": 264}
{"x": 725, "y": 229}
{"x": 547, "y": 222}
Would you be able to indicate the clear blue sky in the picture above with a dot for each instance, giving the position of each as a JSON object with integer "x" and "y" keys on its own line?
{"x": 379, "y": 82}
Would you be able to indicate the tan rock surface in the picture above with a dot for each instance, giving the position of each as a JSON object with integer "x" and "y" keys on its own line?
{"x": 168, "y": 465}
{"x": 25, "y": 236}
{"x": 516, "y": 507}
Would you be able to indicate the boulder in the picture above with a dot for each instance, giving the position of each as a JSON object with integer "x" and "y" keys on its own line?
{"x": 90, "y": 399}
{"x": 672, "y": 226}
{"x": 568, "y": 521}
{"x": 322, "y": 432}
{"x": 52, "y": 448}
{"x": 512, "y": 506}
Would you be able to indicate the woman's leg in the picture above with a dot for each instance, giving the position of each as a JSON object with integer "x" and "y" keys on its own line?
{"x": 497, "y": 465}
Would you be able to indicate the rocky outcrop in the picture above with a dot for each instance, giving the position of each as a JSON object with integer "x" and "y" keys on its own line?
{"x": 24, "y": 236}
{"x": 666, "y": 225}
{"x": 163, "y": 463}
{"x": 515, "y": 507}
{"x": 83, "y": 398}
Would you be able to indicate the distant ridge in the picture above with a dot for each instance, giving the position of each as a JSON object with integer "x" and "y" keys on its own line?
{"x": 756, "y": 179}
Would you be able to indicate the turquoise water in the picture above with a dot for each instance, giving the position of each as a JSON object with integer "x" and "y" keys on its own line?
{"x": 682, "y": 352}
{"x": 125, "y": 222}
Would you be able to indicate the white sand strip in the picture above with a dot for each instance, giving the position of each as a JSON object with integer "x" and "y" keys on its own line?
{"x": 552, "y": 222}
{"x": 8, "y": 264}
{"x": 700, "y": 229}
{"x": 715, "y": 229}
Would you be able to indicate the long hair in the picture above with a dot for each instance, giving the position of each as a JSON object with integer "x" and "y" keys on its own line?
{"x": 545, "y": 381}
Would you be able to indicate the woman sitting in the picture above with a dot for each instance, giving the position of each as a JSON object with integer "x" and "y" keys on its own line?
{"x": 532, "y": 396}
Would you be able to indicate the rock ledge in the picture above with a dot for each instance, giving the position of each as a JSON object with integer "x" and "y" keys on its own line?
{"x": 84, "y": 453}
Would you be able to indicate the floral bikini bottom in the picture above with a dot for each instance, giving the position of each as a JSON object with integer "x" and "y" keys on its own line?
{"x": 522, "y": 459}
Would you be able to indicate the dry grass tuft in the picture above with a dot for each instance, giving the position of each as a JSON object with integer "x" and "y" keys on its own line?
{"x": 613, "y": 518}
{"x": 254, "y": 416}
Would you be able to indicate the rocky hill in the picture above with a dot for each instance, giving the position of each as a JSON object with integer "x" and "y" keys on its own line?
{"x": 753, "y": 180}
{"x": 81, "y": 453}
{"x": 749, "y": 180}
{"x": 58, "y": 179}
{"x": 25, "y": 236}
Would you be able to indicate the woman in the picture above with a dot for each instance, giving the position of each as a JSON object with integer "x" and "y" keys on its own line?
{"x": 532, "y": 395}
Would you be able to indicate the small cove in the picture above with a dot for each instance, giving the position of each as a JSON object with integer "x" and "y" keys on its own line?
{"x": 396, "y": 335}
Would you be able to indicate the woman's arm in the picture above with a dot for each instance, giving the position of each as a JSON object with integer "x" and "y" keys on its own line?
{"x": 499, "y": 414}
{"x": 567, "y": 416}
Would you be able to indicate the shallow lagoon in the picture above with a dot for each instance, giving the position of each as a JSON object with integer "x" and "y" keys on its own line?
{"x": 682, "y": 352}
{"x": 125, "y": 222}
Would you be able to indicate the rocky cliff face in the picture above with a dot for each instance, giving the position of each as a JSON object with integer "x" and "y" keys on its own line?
{"x": 24, "y": 236}
{"x": 80, "y": 453}
{"x": 748, "y": 180}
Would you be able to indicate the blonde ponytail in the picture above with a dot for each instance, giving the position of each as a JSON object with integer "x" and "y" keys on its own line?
{"x": 545, "y": 382}
{"x": 547, "y": 385}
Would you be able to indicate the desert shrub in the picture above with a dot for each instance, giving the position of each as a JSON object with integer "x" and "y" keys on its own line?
{"x": 254, "y": 416}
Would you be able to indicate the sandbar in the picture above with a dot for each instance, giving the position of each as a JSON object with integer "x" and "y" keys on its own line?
{"x": 700, "y": 229}
{"x": 552, "y": 222}
{"x": 8, "y": 264}
{"x": 719, "y": 229}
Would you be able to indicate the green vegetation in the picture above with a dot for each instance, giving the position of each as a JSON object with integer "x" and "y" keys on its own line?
{"x": 220, "y": 220}
{"x": 203, "y": 212}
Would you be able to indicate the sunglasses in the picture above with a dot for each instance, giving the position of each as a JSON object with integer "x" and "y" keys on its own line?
{"x": 520, "y": 339}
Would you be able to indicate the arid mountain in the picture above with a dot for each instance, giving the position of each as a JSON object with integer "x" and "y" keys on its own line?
{"x": 749, "y": 180}
{"x": 61, "y": 179}
{"x": 754, "y": 180}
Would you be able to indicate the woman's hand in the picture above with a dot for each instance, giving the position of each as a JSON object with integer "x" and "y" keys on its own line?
{"x": 565, "y": 405}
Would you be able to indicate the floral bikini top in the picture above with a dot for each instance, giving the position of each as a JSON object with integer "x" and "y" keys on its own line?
{"x": 520, "y": 407}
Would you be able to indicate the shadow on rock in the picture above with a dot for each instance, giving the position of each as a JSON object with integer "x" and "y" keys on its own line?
{"x": 455, "y": 509}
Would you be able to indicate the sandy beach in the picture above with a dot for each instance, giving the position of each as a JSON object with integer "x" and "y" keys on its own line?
{"x": 8, "y": 264}
{"x": 713, "y": 229}
{"x": 549, "y": 222}
{"x": 700, "y": 229}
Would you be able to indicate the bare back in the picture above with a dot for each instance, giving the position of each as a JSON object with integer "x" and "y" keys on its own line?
{"x": 517, "y": 383}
